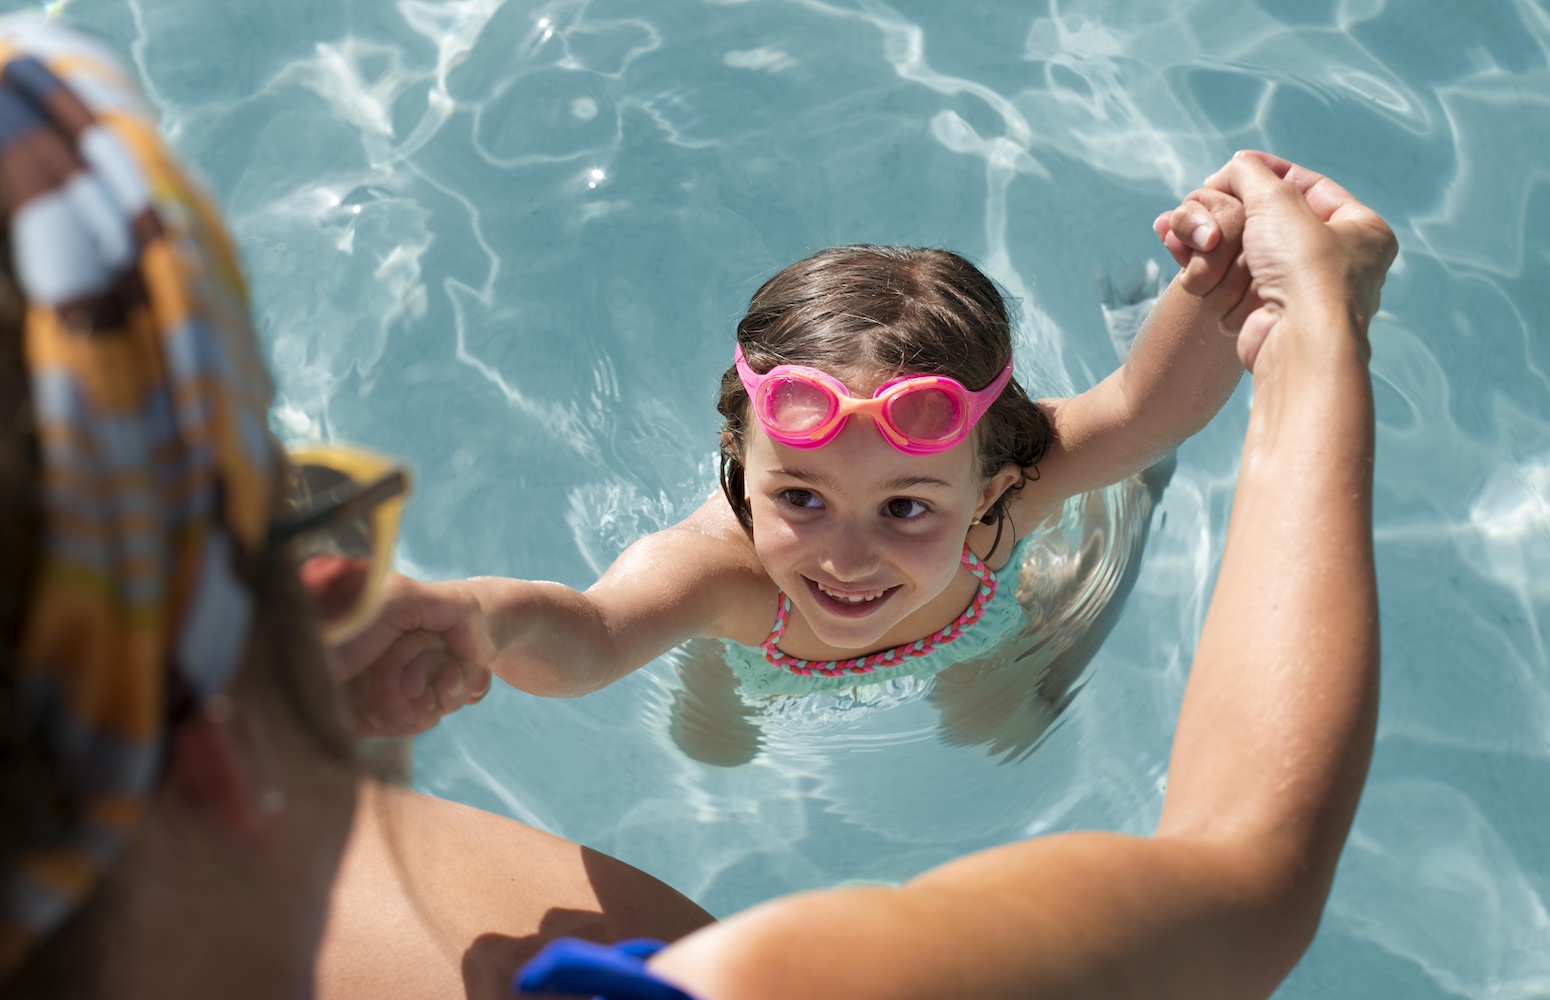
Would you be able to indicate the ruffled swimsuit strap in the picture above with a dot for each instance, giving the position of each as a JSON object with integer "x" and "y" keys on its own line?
{"x": 889, "y": 657}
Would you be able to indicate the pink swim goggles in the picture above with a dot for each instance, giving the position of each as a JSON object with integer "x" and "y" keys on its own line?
{"x": 803, "y": 407}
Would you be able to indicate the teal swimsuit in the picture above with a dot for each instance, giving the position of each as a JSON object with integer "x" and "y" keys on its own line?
{"x": 1002, "y": 618}
{"x": 1060, "y": 579}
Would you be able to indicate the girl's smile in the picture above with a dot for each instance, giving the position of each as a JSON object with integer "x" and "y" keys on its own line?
{"x": 864, "y": 540}
{"x": 849, "y": 603}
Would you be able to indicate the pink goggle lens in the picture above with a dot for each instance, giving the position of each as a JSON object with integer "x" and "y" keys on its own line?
{"x": 798, "y": 406}
{"x": 926, "y": 414}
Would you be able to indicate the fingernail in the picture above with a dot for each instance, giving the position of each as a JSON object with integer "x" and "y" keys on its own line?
{"x": 1200, "y": 234}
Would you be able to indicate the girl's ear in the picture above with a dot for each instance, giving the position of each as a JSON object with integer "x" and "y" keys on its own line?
{"x": 1005, "y": 478}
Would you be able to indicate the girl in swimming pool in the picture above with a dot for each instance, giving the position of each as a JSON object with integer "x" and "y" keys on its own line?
{"x": 880, "y": 463}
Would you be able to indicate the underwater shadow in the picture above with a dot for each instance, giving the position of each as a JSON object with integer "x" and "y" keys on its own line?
{"x": 1009, "y": 705}
{"x": 1071, "y": 587}
{"x": 709, "y": 720}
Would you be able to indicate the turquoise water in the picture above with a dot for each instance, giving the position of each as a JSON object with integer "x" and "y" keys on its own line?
{"x": 509, "y": 241}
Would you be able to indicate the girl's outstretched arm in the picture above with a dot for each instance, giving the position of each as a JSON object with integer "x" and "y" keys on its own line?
{"x": 433, "y": 646}
{"x": 1274, "y": 735}
{"x": 1180, "y": 371}
{"x": 685, "y": 581}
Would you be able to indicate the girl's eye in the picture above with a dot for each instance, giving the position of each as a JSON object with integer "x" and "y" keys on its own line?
{"x": 801, "y": 498}
{"x": 904, "y": 508}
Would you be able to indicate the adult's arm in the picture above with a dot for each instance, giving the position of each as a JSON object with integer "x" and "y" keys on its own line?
{"x": 1274, "y": 735}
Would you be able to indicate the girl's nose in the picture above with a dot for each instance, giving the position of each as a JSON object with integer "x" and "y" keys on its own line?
{"x": 849, "y": 554}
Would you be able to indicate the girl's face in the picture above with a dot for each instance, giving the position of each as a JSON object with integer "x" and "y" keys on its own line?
{"x": 859, "y": 535}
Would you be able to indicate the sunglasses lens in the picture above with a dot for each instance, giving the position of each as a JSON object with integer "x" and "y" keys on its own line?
{"x": 345, "y": 536}
{"x": 926, "y": 414}
{"x": 797, "y": 406}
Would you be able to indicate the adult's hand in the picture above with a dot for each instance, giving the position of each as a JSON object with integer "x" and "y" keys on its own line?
{"x": 427, "y": 654}
{"x": 1310, "y": 247}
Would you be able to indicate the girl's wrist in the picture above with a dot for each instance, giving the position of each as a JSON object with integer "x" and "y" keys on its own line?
{"x": 490, "y": 599}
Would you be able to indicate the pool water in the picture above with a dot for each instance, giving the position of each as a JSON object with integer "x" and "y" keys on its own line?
{"x": 509, "y": 241}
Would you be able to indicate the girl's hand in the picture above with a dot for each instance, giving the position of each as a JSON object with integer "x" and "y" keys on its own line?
{"x": 1205, "y": 235}
{"x": 427, "y": 654}
{"x": 1309, "y": 247}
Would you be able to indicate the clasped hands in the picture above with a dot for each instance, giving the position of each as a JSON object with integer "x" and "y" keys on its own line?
{"x": 1263, "y": 237}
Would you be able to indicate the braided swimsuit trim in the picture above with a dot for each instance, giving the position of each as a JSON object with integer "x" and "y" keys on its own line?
{"x": 888, "y": 657}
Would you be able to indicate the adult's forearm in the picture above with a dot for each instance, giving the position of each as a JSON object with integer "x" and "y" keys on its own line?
{"x": 1287, "y": 668}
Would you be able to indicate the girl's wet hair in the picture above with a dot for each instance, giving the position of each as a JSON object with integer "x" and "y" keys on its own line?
{"x": 866, "y": 314}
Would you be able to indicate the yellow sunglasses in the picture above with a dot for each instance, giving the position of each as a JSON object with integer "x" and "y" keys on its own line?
{"x": 340, "y": 512}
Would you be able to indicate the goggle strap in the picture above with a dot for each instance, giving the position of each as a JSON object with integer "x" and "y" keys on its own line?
{"x": 745, "y": 374}
{"x": 983, "y": 399}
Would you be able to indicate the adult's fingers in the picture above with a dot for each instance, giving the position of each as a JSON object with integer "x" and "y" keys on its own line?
{"x": 1237, "y": 313}
{"x": 400, "y": 611}
{"x": 394, "y": 692}
{"x": 1256, "y": 182}
{"x": 1233, "y": 297}
{"x": 1329, "y": 200}
{"x": 460, "y": 684}
{"x": 1326, "y": 198}
{"x": 1278, "y": 165}
{"x": 446, "y": 609}
{"x": 413, "y": 695}
{"x": 1254, "y": 332}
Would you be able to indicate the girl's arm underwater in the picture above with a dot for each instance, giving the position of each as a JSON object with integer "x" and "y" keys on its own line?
{"x": 1180, "y": 370}
{"x": 1274, "y": 734}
